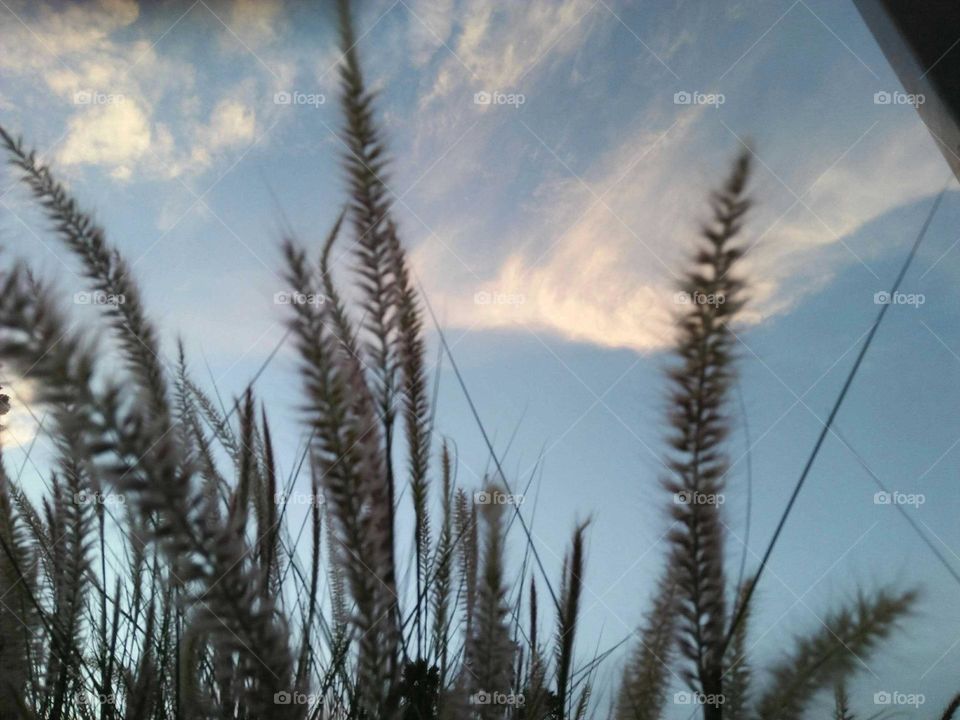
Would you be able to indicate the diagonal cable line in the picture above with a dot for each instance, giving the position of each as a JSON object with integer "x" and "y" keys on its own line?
{"x": 739, "y": 615}
{"x": 906, "y": 516}
{"x": 486, "y": 439}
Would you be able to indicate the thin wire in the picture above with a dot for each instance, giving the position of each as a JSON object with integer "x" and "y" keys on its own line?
{"x": 906, "y": 516}
{"x": 486, "y": 440}
{"x": 738, "y": 617}
{"x": 746, "y": 534}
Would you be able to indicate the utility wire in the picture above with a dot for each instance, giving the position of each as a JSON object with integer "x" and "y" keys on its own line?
{"x": 906, "y": 515}
{"x": 741, "y": 611}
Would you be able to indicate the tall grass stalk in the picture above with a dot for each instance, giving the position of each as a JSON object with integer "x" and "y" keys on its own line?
{"x": 191, "y": 600}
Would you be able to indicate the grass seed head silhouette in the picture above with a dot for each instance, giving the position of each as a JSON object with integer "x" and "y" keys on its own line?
{"x": 188, "y": 600}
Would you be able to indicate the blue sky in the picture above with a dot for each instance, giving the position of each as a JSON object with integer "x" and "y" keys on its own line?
{"x": 572, "y": 207}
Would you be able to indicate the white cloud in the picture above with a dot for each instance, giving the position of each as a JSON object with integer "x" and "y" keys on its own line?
{"x": 256, "y": 22}
{"x": 116, "y": 135}
{"x": 19, "y": 426}
{"x": 601, "y": 270}
{"x": 232, "y": 123}
{"x": 43, "y": 39}
{"x": 429, "y": 28}
{"x": 591, "y": 259}
{"x": 894, "y": 165}
{"x": 499, "y": 44}
{"x": 596, "y": 263}
{"x": 175, "y": 117}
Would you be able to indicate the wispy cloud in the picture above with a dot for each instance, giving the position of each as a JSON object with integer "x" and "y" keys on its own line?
{"x": 132, "y": 102}
{"x": 589, "y": 248}
{"x": 568, "y": 216}
{"x": 597, "y": 262}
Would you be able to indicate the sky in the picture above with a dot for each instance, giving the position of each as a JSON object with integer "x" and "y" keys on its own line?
{"x": 551, "y": 164}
